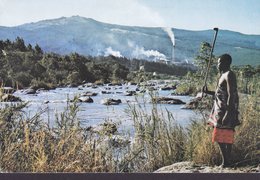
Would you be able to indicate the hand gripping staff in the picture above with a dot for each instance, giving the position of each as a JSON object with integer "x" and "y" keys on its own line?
{"x": 210, "y": 58}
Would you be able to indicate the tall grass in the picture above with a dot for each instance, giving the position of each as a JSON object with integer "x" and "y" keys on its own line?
{"x": 159, "y": 140}
{"x": 30, "y": 145}
{"x": 247, "y": 146}
{"x": 246, "y": 149}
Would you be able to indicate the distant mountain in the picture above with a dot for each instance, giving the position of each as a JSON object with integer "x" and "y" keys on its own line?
{"x": 89, "y": 37}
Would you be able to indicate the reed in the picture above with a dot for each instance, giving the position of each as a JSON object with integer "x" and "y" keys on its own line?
{"x": 159, "y": 140}
{"x": 30, "y": 145}
{"x": 246, "y": 147}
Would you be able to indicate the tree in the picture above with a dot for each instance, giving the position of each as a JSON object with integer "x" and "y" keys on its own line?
{"x": 247, "y": 74}
{"x": 29, "y": 47}
{"x": 1, "y": 45}
{"x": 38, "y": 49}
{"x": 201, "y": 61}
{"x": 120, "y": 72}
{"x": 19, "y": 44}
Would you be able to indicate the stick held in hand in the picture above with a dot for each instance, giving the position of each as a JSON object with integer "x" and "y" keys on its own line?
{"x": 210, "y": 58}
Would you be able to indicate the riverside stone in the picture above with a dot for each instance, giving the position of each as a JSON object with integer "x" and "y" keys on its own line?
{"x": 10, "y": 98}
{"x": 190, "y": 167}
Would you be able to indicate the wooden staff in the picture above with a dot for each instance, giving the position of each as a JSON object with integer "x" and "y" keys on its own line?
{"x": 210, "y": 58}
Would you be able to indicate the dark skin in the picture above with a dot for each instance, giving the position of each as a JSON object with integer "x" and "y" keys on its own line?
{"x": 227, "y": 79}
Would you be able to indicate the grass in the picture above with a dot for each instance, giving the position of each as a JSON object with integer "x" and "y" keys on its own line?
{"x": 30, "y": 145}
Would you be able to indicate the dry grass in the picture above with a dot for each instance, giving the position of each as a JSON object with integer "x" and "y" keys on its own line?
{"x": 159, "y": 140}
{"x": 246, "y": 149}
{"x": 29, "y": 145}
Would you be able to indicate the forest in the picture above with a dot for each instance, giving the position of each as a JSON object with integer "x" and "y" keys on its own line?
{"x": 24, "y": 65}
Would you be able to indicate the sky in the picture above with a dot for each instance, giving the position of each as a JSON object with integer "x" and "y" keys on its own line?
{"x": 236, "y": 15}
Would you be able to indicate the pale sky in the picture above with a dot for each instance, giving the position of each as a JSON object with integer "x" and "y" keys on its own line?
{"x": 236, "y": 15}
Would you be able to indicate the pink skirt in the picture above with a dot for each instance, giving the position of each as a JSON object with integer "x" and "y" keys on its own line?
{"x": 223, "y": 135}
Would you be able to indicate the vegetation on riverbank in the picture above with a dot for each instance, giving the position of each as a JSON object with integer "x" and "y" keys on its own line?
{"x": 24, "y": 66}
{"x": 31, "y": 145}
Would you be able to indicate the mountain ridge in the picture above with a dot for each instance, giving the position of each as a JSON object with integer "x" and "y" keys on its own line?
{"x": 87, "y": 36}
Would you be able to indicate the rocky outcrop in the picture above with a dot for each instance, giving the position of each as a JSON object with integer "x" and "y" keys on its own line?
{"x": 190, "y": 167}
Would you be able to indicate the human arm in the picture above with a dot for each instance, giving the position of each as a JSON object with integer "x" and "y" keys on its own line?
{"x": 205, "y": 90}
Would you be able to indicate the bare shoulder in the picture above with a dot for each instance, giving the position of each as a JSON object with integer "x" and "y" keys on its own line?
{"x": 229, "y": 75}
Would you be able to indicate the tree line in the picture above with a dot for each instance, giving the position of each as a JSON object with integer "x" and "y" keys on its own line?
{"x": 27, "y": 65}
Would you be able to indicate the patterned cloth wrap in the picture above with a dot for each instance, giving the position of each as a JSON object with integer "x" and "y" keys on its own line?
{"x": 223, "y": 135}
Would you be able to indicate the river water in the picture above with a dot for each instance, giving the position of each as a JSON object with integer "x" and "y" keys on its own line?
{"x": 92, "y": 114}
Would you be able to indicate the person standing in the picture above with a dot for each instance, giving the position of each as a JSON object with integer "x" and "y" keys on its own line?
{"x": 224, "y": 114}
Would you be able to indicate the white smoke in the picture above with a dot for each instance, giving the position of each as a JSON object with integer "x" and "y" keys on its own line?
{"x": 110, "y": 51}
{"x": 142, "y": 53}
{"x": 169, "y": 31}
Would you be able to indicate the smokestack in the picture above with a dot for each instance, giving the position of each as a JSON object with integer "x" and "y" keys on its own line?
{"x": 173, "y": 54}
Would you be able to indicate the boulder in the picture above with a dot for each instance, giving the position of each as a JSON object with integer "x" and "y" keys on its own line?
{"x": 110, "y": 101}
{"x": 88, "y": 93}
{"x": 30, "y": 91}
{"x": 199, "y": 103}
{"x": 106, "y": 92}
{"x": 167, "y": 100}
{"x": 106, "y": 128}
{"x": 167, "y": 88}
{"x": 10, "y": 98}
{"x": 179, "y": 94}
{"x": 193, "y": 104}
{"x": 41, "y": 90}
{"x": 86, "y": 99}
{"x": 130, "y": 93}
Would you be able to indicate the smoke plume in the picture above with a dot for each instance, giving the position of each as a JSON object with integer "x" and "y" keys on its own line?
{"x": 170, "y": 34}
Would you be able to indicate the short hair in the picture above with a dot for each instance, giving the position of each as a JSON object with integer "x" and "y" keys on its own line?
{"x": 226, "y": 58}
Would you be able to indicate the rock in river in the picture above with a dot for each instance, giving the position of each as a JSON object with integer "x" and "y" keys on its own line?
{"x": 85, "y": 99}
{"x": 110, "y": 101}
{"x": 167, "y": 100}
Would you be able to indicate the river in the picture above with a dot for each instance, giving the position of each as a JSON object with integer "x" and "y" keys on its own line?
{"x": 93, "y": 114}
